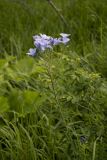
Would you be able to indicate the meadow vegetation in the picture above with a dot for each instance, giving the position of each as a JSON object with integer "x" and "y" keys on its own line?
{"x": 53, "y": 106}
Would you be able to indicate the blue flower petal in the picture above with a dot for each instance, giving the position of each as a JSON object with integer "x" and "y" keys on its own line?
{"x": 32, "y": 52}
{"x": 64, "y": 35}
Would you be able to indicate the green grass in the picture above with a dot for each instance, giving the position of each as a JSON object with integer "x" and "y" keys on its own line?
{"x": 53, "y": 106}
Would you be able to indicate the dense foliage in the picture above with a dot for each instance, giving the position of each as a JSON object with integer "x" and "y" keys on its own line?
{"x": 53, "y": 106}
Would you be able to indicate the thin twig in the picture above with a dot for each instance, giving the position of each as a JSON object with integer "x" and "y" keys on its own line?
{"x": 58, "y": 13}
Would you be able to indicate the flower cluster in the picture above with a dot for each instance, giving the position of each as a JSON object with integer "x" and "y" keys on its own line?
{"x": 42, "y": 42}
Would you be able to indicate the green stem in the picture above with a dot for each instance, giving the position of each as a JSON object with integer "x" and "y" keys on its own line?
{"x": 94, "y": 148}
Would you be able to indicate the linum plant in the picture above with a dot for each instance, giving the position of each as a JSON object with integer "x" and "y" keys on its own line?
{"x": 42, "y": 43}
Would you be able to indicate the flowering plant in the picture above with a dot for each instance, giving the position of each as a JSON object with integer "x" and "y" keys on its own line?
{"x": 42, "y": 42}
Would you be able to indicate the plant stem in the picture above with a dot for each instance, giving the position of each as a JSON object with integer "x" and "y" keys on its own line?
{"x": 94, "y": 148}
{"x": 59, "y": 14}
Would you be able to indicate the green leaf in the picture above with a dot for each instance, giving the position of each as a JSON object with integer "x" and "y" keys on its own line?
{"x": 24, "y": 102}
{"x": 24, "y": 66}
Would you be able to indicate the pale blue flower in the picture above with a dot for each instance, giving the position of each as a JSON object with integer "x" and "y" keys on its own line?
{"x": 44, "y": 36}
{"x": 65, "y": 40}
{"x": 64, "y": 35}
{"x": 56, "y": 41}
{"x": 43, "y": 42}
{"x": 32, "y": 52}
{"x": 36, "y": 37}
